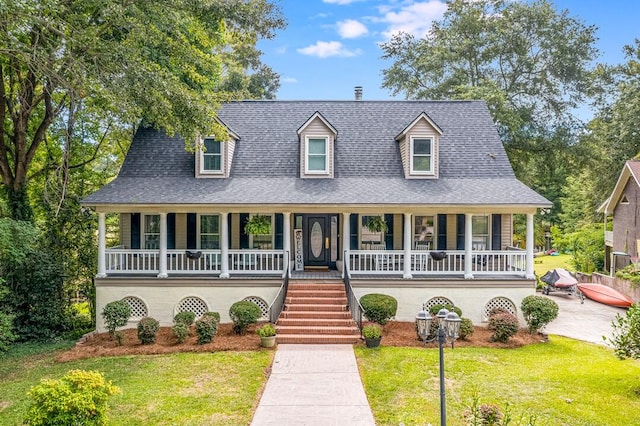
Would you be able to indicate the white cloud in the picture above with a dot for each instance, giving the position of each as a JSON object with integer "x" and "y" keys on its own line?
{"x": 340, "y": 2}
{"x": 325, "y": 49}
{"x": 414, "y": 18}
{"x": 351, "y": 28}
{"x": 288, "y": 80}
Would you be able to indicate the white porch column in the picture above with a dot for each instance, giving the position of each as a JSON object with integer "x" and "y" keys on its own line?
{"x": 224, "y": 245}
{"x": 468, "y": 246}
{"x": 529, "y": 268}
{"x": 346, "y": 240}
{"x": 407, "y": 246}
{"x": 102, "y": 246}
{"x": 163, "y": 246}
{"x": 286, "y": 237}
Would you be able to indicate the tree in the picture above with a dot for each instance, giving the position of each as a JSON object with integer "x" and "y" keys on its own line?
{"x": 153, "y": 61}
{"x": 529, "y": 62}
{"x": 625, "y": 338}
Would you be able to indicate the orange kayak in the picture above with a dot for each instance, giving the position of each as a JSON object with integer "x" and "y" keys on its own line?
{"x": 607, "y": 295}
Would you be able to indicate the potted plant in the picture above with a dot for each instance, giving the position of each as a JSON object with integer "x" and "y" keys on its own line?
{"x": 377, "y": 224}
{"x": 267, "y": 335}
{"x": 372, "y": 334}
{"x": 258, "y": 225}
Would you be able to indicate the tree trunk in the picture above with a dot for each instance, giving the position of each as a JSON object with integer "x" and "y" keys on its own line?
{"x": 18, "y": 203}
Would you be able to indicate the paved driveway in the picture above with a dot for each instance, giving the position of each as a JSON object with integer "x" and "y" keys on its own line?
{"x": 588, "y": 322}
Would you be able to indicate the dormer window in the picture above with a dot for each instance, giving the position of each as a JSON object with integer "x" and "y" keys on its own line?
{"x": 316, "y": 149}
{"x": 212, "y": 156}
{"x": 421, "y": 155}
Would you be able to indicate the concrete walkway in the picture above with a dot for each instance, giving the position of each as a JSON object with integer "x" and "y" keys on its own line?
{"x": 587, "y": 322}
{"x": 314, "y": 385}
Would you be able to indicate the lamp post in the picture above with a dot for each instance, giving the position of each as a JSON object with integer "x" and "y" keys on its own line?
{"x": 448, "y": 328}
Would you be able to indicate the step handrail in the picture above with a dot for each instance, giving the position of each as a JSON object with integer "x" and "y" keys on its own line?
{"x": 352, "y": 301}
{"x": 276, "y": 307}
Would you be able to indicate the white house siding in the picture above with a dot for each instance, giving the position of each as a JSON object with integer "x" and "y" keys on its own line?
{"x": 235, "y": 230}
{"x": 162, "y": 296}
{"x": 472, "y": 299}
{"x": 397, "y": 231}
{"x": 507, "y": 231}
{"x": 317, "y": 128}
{"x": 125, "y": 230}
{"x": 181, "y": 237}
{"x": 421, "y": 128}
{"x": 452, "y": 233}
{"x": 404, "y": 154}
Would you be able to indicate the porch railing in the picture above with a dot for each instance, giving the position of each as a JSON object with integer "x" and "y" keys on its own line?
{"x": 278, "y": 303}
{"x": 256, "y": 261}
{"x": 354, "y": 304}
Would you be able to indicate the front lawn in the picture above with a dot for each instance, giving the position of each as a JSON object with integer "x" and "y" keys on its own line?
{"x": 542, "y": 264}
{"x": 220, "y": 388}
{"x": 563, "y": 382}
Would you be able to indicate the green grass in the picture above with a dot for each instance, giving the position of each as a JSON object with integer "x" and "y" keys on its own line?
{"x": 545, "y": 263}
{"x": 564, "y": 382}
{"x": 220, "y": 388}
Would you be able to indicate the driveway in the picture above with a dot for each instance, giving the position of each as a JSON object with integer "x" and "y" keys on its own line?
{"x": 588, "y": 322}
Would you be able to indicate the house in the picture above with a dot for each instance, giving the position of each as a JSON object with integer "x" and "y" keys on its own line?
{"x": 622, "y": 208}
{"x": 318, "y": 172}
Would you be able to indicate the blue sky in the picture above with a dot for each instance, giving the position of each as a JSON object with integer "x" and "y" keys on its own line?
{"x": 330, "y": 46}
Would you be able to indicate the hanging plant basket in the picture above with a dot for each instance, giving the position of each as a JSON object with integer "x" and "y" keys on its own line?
{"x": 258, "y": 225}
{"x": 377, "y": 224}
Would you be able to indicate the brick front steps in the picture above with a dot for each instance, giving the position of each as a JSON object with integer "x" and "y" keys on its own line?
{"x": 316, "y": 313}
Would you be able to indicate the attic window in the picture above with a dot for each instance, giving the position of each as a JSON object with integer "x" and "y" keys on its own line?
{"x": 211, "y": 156}
{"x": 624, "y": 200}
{"x": 422, "y": 155}
{"x": 316, "y": 148}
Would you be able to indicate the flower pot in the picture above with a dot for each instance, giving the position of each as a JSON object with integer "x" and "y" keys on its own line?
{"x": 372, "y": 342}
{"x": 268, "y": 342}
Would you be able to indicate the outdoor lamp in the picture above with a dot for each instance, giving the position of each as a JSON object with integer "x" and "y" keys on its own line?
{"x": 448, "y": 328}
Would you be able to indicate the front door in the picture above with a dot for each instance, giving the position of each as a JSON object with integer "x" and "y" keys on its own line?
{"x": 320, "y": 240}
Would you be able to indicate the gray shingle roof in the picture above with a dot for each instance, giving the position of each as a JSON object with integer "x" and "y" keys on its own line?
{"x": 474, "y": 168}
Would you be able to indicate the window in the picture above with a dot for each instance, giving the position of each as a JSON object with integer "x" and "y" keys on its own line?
{"x": 209, "y": 232}
{"x": 316, "y": 155}
{"x": 624, "y": 200}
{"x": 370, "y": 239}
{"x": 480, "y": 227}
{"x": 423, "y": 232}
{"x": 421, "y": 156}
{"x": 262, "y": 241}
{"x": 212, "y": 156}
{"x": 152, "y": 231}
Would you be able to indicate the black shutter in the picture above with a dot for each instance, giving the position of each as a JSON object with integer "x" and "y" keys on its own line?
{"x": 388, "y": 236}
{"x": 135, "y": 230}
{"x": 496, "y": 231}
{"x": 353, "y": 229}
{"x": 192, "y": 231}
{"x": 279, "y": 234}
{"x": 460, "y": 231}
{"x": 171, "y": 231}
{"x": 442, "y": 232}
{"x": 244, "y": 237}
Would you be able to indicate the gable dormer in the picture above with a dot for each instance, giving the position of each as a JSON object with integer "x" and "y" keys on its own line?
{"x": 213, "y": 157}
{"x": 317, "y": 146}
{"x": 419, "y": 147}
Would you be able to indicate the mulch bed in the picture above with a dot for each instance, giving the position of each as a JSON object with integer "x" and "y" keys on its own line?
{"x": 395, "y": 333}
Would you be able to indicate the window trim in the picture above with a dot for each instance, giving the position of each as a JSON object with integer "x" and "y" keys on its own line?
{"x": 431, "y": 139}
{"x": 432, "y": 235}
{"x": 144, "y": 234}
{"x": 202, "y": 154}
{"x": 307, "y": 171}
{"x": 199, "y": 230}
{"x": 362, "y": 227}
{"x": 487, "y": 235}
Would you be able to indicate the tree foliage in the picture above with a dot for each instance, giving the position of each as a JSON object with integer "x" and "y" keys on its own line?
{"x": 625, "y": 337}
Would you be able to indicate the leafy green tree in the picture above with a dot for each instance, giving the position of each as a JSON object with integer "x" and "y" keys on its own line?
{"x": 586, "y": 245}
{"x": 155, "y": 61}
{"x": 625, "y": 337}
{"x": 528, "y": 61}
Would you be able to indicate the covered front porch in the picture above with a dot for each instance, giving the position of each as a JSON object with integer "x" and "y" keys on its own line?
{"x": 416, "y": 245}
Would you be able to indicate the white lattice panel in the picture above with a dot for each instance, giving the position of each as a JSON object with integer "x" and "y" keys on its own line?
{"x": 192, "y": 304}
{"x": 264, "y": 307}
{"x": 437, "y": 301}
{"x": 138, "y": 307}
{"x": 499, "y": 302}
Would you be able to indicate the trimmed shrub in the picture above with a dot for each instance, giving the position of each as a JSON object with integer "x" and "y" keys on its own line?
{"x": 379, "y": 308}
{"x": 147, "y": 330}
{"x": 181, "y": 331}
{"x": 244, "y": 313}
{"x": 436, "y": 308}
{"x": 206, "y": 329}
{"x": 116, "y": 314}
{"x": 538, "y": 311}
{"x": 184, "y": 317}
{"x": 466, "y": 328}
{"x": 504, "y": 326}
{"x": 214, "y": 315}
{"x": 78, "y": 398}
{"x": 267, "y": 330}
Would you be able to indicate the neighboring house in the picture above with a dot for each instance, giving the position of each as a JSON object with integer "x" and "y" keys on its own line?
{"x": 622, "y": 244}
{"x": 320, "y": 171}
